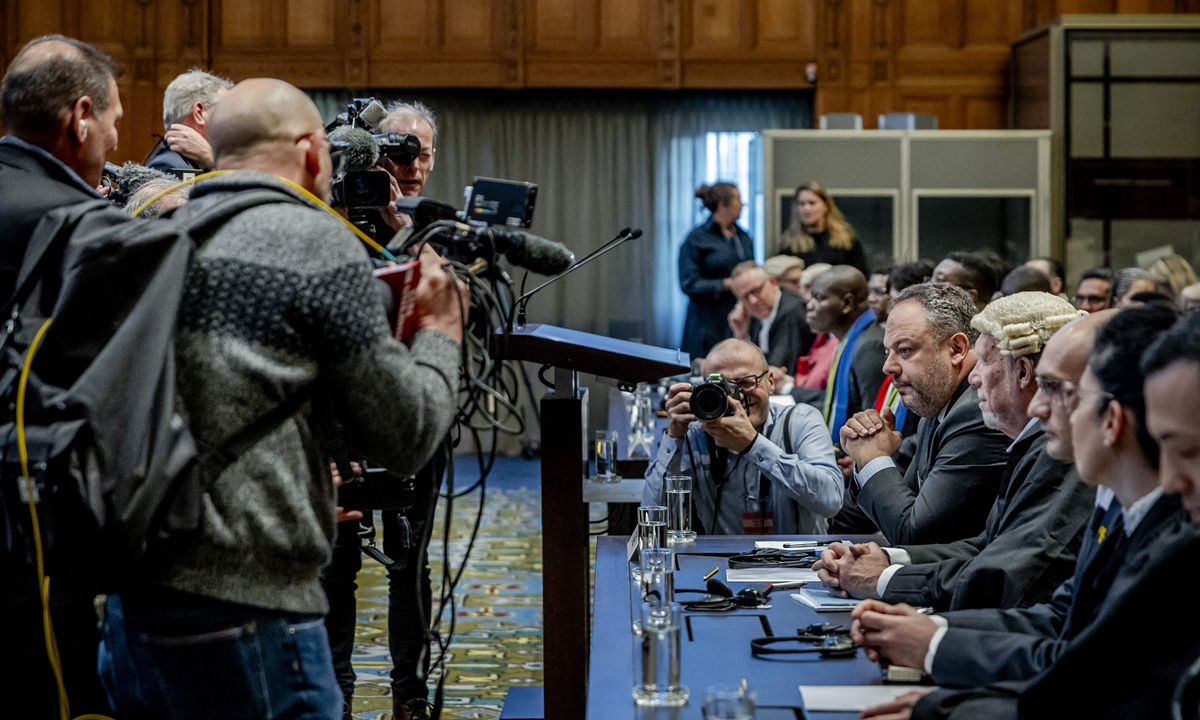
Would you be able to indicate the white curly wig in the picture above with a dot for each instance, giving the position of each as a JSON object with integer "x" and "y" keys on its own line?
{"x": 1024, "y": 321}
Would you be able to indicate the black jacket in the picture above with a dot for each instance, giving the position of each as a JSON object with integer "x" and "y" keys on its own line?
{"x": 866, "y": 369}
{"x": 789, "y": 336}
{"x": 949, "y": 488}
{"x": 706, "y": 258}
{"x": 165, "y": 159}
{"x": 31, "y": 185}
{"x": 1028, "y": 548}
{"x": 1119, "y": 663}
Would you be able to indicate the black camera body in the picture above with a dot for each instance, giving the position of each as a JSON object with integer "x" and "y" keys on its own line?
{"x": 710, "y": 399}
{"x": 361, "y": 189}
{"x": 376, "y": 489}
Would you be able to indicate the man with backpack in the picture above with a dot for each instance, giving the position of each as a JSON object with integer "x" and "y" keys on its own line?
{"x": 60, "y": 106}
{"x": 279, "y": 306}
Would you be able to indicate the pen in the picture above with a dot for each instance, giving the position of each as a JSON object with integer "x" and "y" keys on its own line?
{"x": 714, "y": 572}
{"x": 802, "y": 544}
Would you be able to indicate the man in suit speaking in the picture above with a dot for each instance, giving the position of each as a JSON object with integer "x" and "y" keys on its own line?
{"x": 952, "y": 482}
{"x": 769, "y": 316}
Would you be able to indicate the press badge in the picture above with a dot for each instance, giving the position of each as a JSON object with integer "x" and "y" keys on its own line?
{"x": 758, "y": 524}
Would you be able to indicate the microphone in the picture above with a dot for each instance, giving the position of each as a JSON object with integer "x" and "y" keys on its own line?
{"x": 520, "y": 304}
{"x": 537, "y": 254}
{"x": 358, "y": 147}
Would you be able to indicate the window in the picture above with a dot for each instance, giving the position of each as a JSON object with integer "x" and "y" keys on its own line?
{"x": 736, "y": 157}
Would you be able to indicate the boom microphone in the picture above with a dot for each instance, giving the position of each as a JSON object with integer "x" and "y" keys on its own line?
{"x": 357, "y": 146}
{"x": 536, "y": 254}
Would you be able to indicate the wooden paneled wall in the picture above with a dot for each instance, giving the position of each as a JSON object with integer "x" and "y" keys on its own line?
{"x": 944, "y": 57}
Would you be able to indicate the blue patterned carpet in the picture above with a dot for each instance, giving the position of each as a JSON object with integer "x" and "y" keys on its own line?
{"x": 498, "y": 634}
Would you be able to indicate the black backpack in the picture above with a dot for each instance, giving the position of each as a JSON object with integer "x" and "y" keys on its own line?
{"x": 116, "y": 475}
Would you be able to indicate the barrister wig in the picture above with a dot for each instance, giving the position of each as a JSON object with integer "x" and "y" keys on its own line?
{"x": 1024, "y": 321}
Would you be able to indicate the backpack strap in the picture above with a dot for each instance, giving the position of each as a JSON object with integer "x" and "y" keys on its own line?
{"x": 202, "y": 223}
{"x": 237, "y": 444}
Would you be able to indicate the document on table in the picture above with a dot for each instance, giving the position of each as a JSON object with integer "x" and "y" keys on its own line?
{"x": 851, "y": 698}
{"x": 819, "y": 599}
{"x": 771, "y": 575}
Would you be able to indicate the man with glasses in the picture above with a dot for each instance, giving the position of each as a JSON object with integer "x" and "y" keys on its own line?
{"x": 762, "y": 469}
{"x": 280, "y": 310}
{"x": 769, "y": 316}
{"x": 1092, "y": 293}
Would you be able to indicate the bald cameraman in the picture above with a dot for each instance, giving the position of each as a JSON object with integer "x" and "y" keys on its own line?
{"x": 60, "y": 106}
{"x": 405, "y": 533}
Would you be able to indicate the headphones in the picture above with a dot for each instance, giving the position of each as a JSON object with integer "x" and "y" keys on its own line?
{"x": 772, "y": 558}
{"x": 830, "y": 641}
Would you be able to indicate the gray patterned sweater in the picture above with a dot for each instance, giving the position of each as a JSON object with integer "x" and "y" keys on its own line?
{"x": 281, "y": 297}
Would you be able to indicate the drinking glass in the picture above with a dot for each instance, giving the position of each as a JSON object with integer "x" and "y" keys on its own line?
{"x": 658, "y": 576}
{"x": 729, "y": 702}
{"x": 652, "y": 531}
{"x": 656, "y": 663}
{"x": 679, "y": 510}
{"x": 606, "y": 457}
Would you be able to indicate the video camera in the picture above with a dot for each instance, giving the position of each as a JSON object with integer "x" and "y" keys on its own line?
{"x": 358, "y": 185}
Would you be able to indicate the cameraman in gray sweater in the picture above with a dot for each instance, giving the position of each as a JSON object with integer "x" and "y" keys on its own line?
{"x": 280, "y": 301}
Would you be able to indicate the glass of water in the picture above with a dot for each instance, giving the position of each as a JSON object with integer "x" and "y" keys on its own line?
{"x": 729, "y": 702}
{"x": 652, "y": 531}
{"x": 656, "y": 664}
{"x": 606, "y": 457}
{"x": 679, "y": 510}
{"x": 658, "y": 576}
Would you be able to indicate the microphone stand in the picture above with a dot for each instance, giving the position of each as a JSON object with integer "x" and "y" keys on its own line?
{"x": 520, "y": 303}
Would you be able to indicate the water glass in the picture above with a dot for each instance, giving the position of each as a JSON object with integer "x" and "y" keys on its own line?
{"x": 679, "y": 510}
{"x": 606, "y": 457}
{"x": 658, "y": 576}
{"x": 652, "y": 526}
{"x": 729, "y": 702}
{"x": 656, "y": 662}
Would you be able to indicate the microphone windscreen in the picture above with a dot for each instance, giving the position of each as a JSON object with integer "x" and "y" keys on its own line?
{"x": 637, "y": 233}
{"x": 538, "y": 254}
{"x": 132, "y": 176}
{"x": 362, "y": 153}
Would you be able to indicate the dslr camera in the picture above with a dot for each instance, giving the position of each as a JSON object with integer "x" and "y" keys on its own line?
{"x": 709, "y": 399}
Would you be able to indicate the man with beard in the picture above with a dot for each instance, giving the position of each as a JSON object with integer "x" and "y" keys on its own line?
{"x": 1036, "y": 524}
{"x": 948, "y": 490}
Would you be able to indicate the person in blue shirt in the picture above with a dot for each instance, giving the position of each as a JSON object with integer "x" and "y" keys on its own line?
{"x": 764, "y": 469}
{"x": 706, "y": 261}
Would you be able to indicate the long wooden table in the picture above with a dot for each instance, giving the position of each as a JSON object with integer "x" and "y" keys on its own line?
{"x": 717, "y": 648}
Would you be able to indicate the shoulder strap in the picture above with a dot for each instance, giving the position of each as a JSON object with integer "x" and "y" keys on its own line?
{"x": 242, "y": 440}
{"x": 206, "y": 221}
{"x": 787, "y": 430}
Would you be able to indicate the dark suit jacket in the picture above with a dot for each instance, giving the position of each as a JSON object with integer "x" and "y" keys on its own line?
{"x": 1019, "y": 645}
{"x": 30, "y": 187}
{"x": 789, "y": 336}
{"x": 1110, "y": 669}
{"x": 866, "y": 369}
{"x": 706, "y": 258}
{"x": 1027, "y": 550}
{"x": 949, "y": 488}
{"x": 165, "y": 159}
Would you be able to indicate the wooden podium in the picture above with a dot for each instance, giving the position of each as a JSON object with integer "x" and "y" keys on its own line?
{"x": 564, "y": 514}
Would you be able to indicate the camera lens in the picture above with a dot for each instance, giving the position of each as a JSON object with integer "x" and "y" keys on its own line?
{"x": 708, "y": 402}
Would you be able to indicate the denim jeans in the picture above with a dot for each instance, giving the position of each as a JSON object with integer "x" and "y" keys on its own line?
{"x": 166, "y": 654}
{"x": 409, "y": 593}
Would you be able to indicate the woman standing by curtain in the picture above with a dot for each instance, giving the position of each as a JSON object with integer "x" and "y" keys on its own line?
{"x": 706, "y": 259}
{"x": 819, "y": 234}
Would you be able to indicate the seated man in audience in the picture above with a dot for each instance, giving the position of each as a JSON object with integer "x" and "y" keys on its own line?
{"x": 949, "y": 488}
{"x": 1051, "y": 656}
{"x": 1092, "y": 293}
{"x": 970, "y": 272}
{"x": 769, "y": 316}
{"x": 763, "y": 469}
{"x": 786, "y": 269}
{"x": 1053, "y": 270}
{"x": 1036, "y": 524}
{"x": 1023, "y": 278}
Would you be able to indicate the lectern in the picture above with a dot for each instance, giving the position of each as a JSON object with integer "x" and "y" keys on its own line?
{"x": 564, "y": 515}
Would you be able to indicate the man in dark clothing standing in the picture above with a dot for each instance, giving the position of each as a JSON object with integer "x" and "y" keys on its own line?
{"x": 60, "y": 105}
{"x": 769, "y": 316}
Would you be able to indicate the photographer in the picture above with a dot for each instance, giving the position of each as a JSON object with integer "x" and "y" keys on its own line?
{"x": 60, "y": 106}
{"x": 188, "y": 105}
{"x": 763, "y": 469}
{"x": 405, "y": 533}
{"x": 280, "y": 303}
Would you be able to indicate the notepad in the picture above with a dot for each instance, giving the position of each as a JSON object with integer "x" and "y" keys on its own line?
{"x": 819, "y": 599}
{"x": 850, "y": 698}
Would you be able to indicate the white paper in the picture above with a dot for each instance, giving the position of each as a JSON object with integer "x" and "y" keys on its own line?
{"x": 820, "y": 599}
{"x": 850, "y": 698}
{"x": 771, "y": 575}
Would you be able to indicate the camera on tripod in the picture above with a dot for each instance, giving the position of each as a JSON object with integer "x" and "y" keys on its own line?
{"x": 710, "y": 399}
